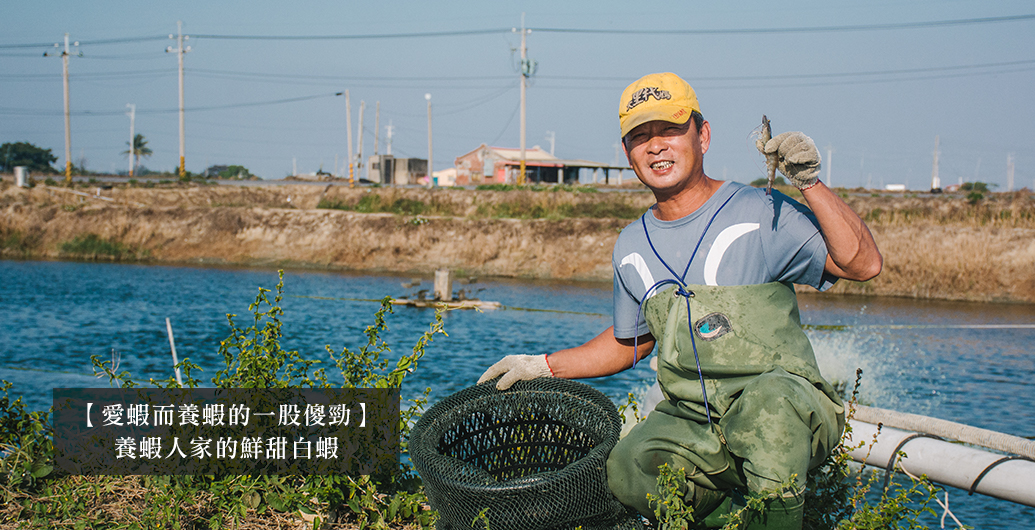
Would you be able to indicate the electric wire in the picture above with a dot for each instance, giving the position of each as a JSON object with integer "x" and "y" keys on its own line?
{"x": 98, "y": 42}
{"x": 368, "y": 36}
{"x": 40, "y": 112}
{"x": 92, "y": 75}
{"x": 490, "y": 31}
{"x": 506, "y": 125}
{"x": 346, "y": 78}
{"x": 814, "y": 75}
{"x": 798, "y": 29}
{"x": 964, "y": 71}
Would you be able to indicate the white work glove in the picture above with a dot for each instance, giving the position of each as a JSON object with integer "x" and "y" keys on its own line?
{"x": 797, "y": 157}
{"x": 517, "y": 368}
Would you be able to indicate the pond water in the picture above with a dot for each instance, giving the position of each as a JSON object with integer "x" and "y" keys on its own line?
{"x": 957, "y": 361}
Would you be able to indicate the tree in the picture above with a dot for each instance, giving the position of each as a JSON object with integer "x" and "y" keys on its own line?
{"x": 778, "y": 181}
{"x": 229, "y": 172}
{"x": 36, "y": 159}
{"x": 139, "y": 148}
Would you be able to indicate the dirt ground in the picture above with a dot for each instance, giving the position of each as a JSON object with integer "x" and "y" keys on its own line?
{"x": 933, "y": 247}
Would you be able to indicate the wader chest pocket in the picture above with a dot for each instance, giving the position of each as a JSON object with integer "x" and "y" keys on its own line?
{"x": 712, "y": 326}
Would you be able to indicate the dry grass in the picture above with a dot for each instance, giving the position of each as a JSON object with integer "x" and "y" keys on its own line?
{"x": 1005, "y": 210}
{"x": 120, "y": 501}
{"x": 949, "y": 247}
{"x": 943, "y": 246}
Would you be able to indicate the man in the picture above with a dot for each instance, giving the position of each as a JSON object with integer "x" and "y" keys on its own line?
{"x": 706, "y": 275}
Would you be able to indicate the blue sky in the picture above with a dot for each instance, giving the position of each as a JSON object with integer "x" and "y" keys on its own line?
{"x": 875, "y": 95}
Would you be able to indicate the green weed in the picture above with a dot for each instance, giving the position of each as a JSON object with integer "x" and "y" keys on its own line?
{"x": 17, "y": 242}
{"x": 253, "y": 358}
{"x": 835, "y": 496}
{"x": 537, "y": 187}
{"x": 91, "y": 246}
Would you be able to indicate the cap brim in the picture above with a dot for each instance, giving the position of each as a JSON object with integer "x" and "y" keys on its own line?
{"x": 659, "y": 112}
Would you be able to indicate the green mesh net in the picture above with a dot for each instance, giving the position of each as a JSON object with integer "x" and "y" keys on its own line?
{"x": 531, "y": 457}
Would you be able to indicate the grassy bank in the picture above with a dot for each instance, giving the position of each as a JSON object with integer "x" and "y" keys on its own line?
{"x": 950, "y": 246}
{"x": 492, "y": 202}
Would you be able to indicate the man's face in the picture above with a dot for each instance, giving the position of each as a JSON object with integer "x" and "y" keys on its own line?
{"x": 666, "y": 156}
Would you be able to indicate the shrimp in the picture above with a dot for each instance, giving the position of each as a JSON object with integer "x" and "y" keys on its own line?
{"x": 771, "y": 160}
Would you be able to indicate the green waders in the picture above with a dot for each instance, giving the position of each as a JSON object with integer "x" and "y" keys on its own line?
{"x": 773, "y": 415}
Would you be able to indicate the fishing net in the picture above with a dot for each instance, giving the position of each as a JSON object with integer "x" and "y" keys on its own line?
{"x": 531, "y": 457}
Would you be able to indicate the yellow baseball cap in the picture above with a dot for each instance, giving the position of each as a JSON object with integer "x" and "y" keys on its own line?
{"x": 663, "y": 97}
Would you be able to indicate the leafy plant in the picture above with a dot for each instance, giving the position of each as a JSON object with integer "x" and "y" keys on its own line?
{"x": 835, "y": 496}
{"x": 25, "y": 444}
{"x": 671, "y": 509}
{"x": 93, "y": 246}
{"x": 253, "y": 358}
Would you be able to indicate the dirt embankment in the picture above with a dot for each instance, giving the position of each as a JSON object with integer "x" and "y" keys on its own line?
{"x": 941, "y": 247}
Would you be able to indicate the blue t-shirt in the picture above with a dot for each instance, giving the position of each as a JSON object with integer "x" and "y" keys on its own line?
{"x": 752, "y": 239}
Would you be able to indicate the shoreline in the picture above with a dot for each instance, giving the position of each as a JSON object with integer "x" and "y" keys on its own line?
{"x": 939, "y": 247}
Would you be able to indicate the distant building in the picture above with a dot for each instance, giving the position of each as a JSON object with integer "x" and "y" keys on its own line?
{"x": 445, "y": 177}
{"x": 388, "y": 170}
{"x": 501, "y": 165}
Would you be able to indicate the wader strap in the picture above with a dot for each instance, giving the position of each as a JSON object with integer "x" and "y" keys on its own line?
{"x": 682, "y": 290}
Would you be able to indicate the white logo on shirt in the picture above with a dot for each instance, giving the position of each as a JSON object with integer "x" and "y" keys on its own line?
{"x": 719, "y": 247}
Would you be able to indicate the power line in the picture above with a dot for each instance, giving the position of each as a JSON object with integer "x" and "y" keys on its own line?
{"x": 799, "y": 29}
{"x": 347, "y": 77}
{"x": 767, "y": 81}
{"x": 95, "y": 75}
{"x": 86, "y": 42}
{"x": 820, "y": 75}
{"x": 490, "y": 31}
{"x": 39, "y": 112}
{"x": 252, "y": 75}
{"x": 359, "y": 37}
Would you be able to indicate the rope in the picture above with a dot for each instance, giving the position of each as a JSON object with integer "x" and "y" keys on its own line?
{"x": 890, "y": 468}
{"x": 682, "y": 289}
{"x": 944, "y": 505}
{"x": 992, "y": 465}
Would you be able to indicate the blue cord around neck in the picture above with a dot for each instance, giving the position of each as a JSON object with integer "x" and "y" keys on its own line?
{"x": 682, "y": 289}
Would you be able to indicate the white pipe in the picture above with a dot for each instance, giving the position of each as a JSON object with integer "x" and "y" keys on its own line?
{"x": 947, "y": 429}
{"x": 172, "y": 346}
{"x": 946, "y": 463}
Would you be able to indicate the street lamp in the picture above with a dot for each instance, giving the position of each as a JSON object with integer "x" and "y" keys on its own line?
{"x": 132, "y": 137}
{"x": 431, "y": 165}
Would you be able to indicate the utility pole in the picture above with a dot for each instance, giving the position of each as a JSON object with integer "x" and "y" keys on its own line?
{"x": 132, "y": 137}
{"x": 552, "y": 136}
{"x": 936, "y": 183}
{"x": 348, "y": 134}
{"x": 359, "y": 141}
{"x": 1009, "y": 172}
{"x": 527, "y": 69}
{"x": 180, "y": 51}
{"x": 68, "y": 122}
{"x": 377, "y": 129}
{"x": 377, "y": 124}
{"x": 431, "y": 165}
